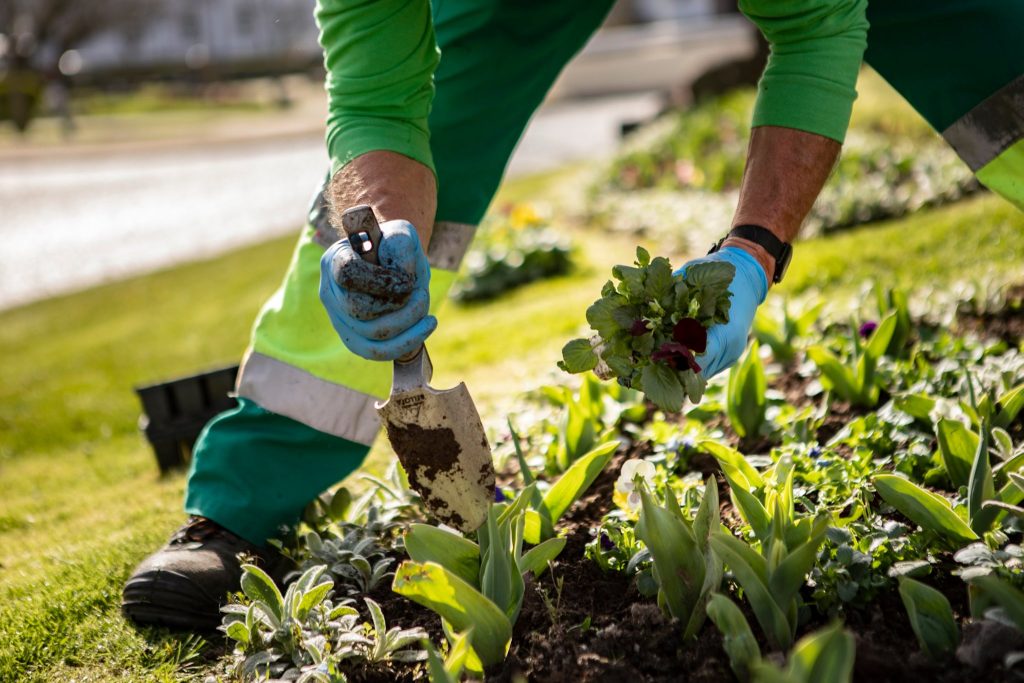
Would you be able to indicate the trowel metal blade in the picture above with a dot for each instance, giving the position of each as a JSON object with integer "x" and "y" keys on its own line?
{"x": 441, "y": 443}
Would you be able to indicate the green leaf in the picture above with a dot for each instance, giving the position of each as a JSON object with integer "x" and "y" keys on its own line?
{"x": 678, "y": 561}
{"x": 313, "y": 597}
{"x": 536, "y": 559}
{"x": 578, "y": 356}
{"x": 791, "y": 573}
{"x": 957, "y": 446}
{"x": 524, "y": 467}
{"x": 659, "y": 280}
{"x": 632, "y": 280}
{"x": 459, "y": 555}
{"x": 733, "y": 464}
{"x": 931, "y": 617}
{"x": 825, "y": 655}
{"x": 750, "y": 571}
{"x": 236, "y": 630}
{"x": 980, "y": 488}
{"x": 568, "y": 489}
{"x": 747, "y": 386}
{"x": 1009, "y": 406}
{"x": 930, "y": 511}
{"x": 737, "y": 639}
{"x": 711, "y": 277}
{"x": 258, "y": 586}
{"x": 1003, "y": 594}
{"x": 880, "y": 338}
{"x": 662, "y": 386}
{"x": 600, "y": 315}
{"x": 464, "y": 607}
{"x": 500, "y": 579}
{"x": 834, "y": 374}
{"x": 917, "y": 406}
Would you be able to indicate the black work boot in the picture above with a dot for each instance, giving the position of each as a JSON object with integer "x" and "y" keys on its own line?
{"x": 183, "y": 585}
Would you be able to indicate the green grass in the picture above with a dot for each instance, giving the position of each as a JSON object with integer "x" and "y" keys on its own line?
{"x": 973, "y": 240}
{"x": 82, "y": 502}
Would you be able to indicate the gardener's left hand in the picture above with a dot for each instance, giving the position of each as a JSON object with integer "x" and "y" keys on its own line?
{"x": 749, "y": 287}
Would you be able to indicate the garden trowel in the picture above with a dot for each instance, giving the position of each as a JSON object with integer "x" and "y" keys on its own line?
{"x": 437, "y": 435}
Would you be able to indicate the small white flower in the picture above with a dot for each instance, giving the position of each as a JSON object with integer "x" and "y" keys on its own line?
{"x": 632, "y": 469}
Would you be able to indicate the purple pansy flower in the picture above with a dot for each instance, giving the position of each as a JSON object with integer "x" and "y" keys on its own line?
{"x": 866, "y": 328}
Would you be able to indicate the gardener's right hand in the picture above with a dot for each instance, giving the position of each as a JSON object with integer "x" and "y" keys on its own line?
{"x": 379, "y": 315}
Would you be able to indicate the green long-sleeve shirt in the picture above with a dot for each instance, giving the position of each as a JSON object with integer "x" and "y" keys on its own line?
{"x": 380, "y": 57}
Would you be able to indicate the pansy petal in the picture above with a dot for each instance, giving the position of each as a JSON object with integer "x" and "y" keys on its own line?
{"x": 691, "y": 334}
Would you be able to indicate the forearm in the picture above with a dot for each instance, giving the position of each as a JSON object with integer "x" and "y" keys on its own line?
{"x": 396, "y": 186}
{"x": 785, "y": 171}
{"x": 380, "y": 57}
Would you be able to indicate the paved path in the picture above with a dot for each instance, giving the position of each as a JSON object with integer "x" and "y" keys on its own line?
{"x": 68, "y": 223}
{"x": 72, "y": 221}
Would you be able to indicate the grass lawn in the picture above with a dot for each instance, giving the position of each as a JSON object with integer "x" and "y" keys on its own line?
{"x": 81, "y": 499}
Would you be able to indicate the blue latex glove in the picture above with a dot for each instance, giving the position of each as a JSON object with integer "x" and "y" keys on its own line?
{"x": 378, "y": 325}
{"x": 749, "y": 288}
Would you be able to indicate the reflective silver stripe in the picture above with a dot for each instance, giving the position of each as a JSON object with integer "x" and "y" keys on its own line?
{"x": 290, "y": 391}
{"x": 990, "y": 128}
{"x": 448, "y": 243}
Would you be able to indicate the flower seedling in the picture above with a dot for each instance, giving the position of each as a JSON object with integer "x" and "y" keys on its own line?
{"x": 685, "y": 568}
{"x": 773, "y": 577}
{"x": 931, "y": 617}
{"x": 475, "y": 586}
{"x": 746, "y": 402}
{"x": 856, "y": 380}
{"x": 784, "y": 336}
{"x": 825, "y": 655}
{"x": 651, "y": 326}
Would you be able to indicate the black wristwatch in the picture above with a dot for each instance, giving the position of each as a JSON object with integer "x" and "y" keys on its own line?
{"x": 781, "y": 251}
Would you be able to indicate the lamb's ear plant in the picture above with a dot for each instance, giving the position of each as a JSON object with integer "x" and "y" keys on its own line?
{"x": 772, "y": 575}
{"x": 856, "y": 380}
{"x": 738, "y": 640}
{"x": 391, "y": 644}
{"x": 685, "y": 568}
{"x": 301, "y": 634}
{"x": 931, "y": 618}
{"x": 650, "y": 327}
{"x": 746, "y": 401}
{"x": 825, "y": 655}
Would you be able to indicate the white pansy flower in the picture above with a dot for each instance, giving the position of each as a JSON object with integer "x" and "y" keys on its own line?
{"x": 626, "y": 483}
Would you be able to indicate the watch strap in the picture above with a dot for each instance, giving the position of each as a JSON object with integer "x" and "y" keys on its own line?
{"x": 781, "y": 251}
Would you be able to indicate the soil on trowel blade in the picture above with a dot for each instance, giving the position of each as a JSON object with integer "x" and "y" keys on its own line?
{"x": 425, "y": 454}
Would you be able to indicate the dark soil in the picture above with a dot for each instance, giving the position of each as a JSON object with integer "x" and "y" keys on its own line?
{"x": 579, "y": 624}
{"x": 1006, "y": 324}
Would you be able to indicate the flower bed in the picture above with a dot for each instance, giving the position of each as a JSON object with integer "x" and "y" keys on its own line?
{"x": 679, "y": 177}
{"x": 514, "y": 248}
{"x": 862, "y": 504}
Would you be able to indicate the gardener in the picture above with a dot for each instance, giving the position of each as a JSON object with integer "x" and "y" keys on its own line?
{"x": 429, "y": 163}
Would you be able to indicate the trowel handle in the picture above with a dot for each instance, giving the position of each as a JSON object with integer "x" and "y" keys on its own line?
{"x": 363, "y": 231}
{"x": 364, "y": 235}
